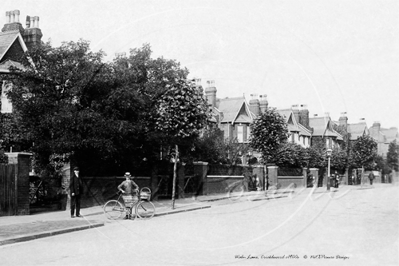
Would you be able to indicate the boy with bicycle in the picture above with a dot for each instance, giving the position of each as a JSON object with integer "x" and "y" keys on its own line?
{"x": 128, "y": 188}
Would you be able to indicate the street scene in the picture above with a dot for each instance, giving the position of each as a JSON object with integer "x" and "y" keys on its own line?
{"x": 222, "y": 132}
{"x": 352, "y": 226}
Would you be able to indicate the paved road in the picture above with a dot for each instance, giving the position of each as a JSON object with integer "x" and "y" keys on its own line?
{"x": 347, "y": 227}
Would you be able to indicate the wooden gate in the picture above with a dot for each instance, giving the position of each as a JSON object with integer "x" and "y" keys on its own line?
{"x": 8, "y": 190}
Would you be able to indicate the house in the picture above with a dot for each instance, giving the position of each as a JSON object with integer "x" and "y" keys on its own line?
{"x": 350, "y": 131}
{"x": 323, "y": 131}
{"x": 357, "y": 130}
{"x": 14, "y": 42}
{"x": 298, "y": 133}
{"x": 383, "y": 137}
{"x": 232, "y": 115}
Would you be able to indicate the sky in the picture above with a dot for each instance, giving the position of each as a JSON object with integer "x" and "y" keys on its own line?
{"x": 335, "y": 57}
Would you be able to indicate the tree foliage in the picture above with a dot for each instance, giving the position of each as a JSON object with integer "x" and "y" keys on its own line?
{"x": 393, "y": 155}
{"x": 291, "y": 155}
{"x": 316, "y": 157}
{"x": 268, "y": 133}
{"x": 339, "y": 159}
{"x": 181, "y": 111}
{"x": 105, "y": 115}
{"x": 363, "y": 152}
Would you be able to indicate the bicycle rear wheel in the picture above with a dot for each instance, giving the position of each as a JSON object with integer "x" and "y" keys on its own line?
{"x": 113, "y": 209}
{"x": 145, "y": 210}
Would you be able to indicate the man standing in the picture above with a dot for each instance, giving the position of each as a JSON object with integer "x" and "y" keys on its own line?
{"x": 337, "y": 179}
{"x": 371, "y": 177}
{"x": 76, "y": 189}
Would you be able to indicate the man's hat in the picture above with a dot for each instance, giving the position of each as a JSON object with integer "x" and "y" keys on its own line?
{"x": 76, "y": 168}
{"x": 127, "y": 174}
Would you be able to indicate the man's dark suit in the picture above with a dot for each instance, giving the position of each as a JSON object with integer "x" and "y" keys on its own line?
{"x": 76, "y": 188}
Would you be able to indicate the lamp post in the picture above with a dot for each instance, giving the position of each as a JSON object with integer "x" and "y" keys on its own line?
{"x": 328, "y": 152}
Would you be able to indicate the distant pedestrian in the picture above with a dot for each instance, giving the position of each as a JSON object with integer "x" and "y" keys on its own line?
{"x": 76, "y": 190}
{"x": 311, "y": 180}
{"x": 253, "y": 183}
{"x": 129, "y": 189}
{"x": 353, "y": 179}
{"x": 258, "y": 185}
{"x": 371, "y": 177}
{"x": 337, "y": 179}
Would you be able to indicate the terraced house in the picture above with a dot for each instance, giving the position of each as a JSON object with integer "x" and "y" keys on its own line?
{"x": 15, "y": 40}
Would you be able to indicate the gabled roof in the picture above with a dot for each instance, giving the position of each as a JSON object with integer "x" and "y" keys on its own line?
{"x": 390, "y": 134}
{"x": 289, "y": 117}
{"x": 7, "y": 39}
{"x": 357, "y": 130}
{"x": 292, "y": 124}
{"x": 304, "y": 131}
{"x": 235, "y": 110}
{"x": 323, "y": 127}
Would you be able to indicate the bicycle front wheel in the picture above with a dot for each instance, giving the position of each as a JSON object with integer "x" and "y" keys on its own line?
{"x": 145, "y": 210}
{"x": 113, "y": 209}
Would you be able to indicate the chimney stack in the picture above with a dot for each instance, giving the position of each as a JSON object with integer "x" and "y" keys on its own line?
{"x": 375, "y": 129}
{"x": 263, "y": 103}
{"x": 254, "y": 104}
{"x": 210, "y": 93}
{"x": 12, "y": 22}
{"x": 343, "y": 120}
{"x": 32, "y": 34}
{"x": 304, "y": 115}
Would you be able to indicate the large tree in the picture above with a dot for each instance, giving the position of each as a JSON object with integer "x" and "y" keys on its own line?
{"x": 268, "y": 132}
{"x": 363, "y": 152}
{"x": 55, "y": 96}
{"x": 181, "y": 113}
{"x": 68, "y": 101}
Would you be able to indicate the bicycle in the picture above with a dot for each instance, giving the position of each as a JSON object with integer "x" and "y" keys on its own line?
{"x": 37, "y": 191}
{"x": 143, "y": 207}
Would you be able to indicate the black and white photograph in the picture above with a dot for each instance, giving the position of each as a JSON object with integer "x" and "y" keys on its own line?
{"x": 199, "y": 133}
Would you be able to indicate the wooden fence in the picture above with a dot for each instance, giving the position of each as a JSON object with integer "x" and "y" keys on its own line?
{"x": 8, "y": 190}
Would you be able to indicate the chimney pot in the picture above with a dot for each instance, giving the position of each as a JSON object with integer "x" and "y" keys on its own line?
{"x": 16, "y": 15}
{"x": 254, "y": 96}
{"x": 27, "y": 22}
{"x": 8, "y": 17}
{"x": 37, "y": 22}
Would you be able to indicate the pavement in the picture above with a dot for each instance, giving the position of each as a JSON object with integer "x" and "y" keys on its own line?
{"x": 15, "y": 229}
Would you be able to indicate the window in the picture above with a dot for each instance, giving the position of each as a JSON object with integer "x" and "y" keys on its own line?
{"x": 240, "y": 134}
{"x": 329, "y": 143}
{"x": 248, "y": 132}
{"x": 6, "y": 106}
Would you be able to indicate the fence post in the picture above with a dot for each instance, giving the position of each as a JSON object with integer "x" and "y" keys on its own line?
{"x": 305, "y": 177}
{"x": 272, "y": 173}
